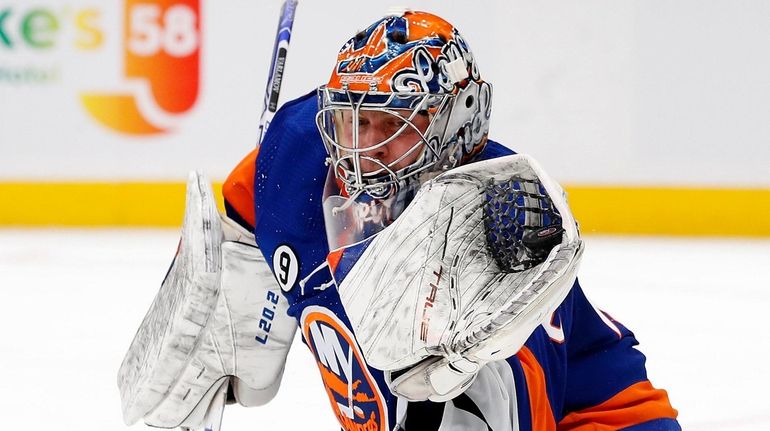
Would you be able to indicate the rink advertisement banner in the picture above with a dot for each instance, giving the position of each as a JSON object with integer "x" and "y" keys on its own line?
{"x": 161, "y": 68}
{"x": 145, "y": 90}
{"x": 157, "y": 54}
{"x": 113, "y": 90}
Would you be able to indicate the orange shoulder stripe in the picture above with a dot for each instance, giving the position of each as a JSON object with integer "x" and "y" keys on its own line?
{"x": 238, "y": 189}
{"x": 334, "y": 259}
{"x": 636, "y": 404}
{"x": 540, "y": 407}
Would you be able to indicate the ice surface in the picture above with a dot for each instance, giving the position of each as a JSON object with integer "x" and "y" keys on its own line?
{"x": 72, "y": 299}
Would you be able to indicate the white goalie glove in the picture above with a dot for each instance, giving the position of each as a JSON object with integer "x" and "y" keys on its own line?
{"x": 218, "y": 319}
{"x": 480, "y": 258}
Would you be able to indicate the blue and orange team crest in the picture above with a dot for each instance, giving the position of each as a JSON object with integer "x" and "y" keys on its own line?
{"x": 353, "y": 392}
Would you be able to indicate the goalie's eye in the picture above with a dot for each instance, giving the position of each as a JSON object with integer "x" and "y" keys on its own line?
{"x": 393, "y": 125}
{"x": 347, "y": 119}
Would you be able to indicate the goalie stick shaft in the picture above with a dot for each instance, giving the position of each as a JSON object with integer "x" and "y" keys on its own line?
{"x": 277, "y": 65}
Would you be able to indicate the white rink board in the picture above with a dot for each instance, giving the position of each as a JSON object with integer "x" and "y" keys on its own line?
{"x": 73, "y": 300}
{"x": 600, "y": 91}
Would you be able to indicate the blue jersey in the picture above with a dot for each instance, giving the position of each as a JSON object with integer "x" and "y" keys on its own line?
{"x": 578, "y": 372}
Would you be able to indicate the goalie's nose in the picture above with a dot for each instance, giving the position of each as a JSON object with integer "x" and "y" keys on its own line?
{"x": 373, "y": 139}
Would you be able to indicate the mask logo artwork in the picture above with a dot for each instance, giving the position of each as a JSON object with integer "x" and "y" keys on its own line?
{"x": 420, "y": 77}
{"x": 353, "y": 392}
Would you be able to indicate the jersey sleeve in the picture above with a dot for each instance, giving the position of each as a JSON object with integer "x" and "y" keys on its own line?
{"x": 606, "y": 380}
{"x": 290, "y": 150}
{"x": 238, "y": 191}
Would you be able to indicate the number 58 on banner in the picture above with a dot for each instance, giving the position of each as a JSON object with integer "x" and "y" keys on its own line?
{"x": 161, "y": 53}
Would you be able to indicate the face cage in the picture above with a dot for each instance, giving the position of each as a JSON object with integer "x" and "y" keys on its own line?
{"x": 346, "y": 160}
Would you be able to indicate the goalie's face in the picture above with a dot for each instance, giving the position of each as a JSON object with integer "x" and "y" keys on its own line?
{"x": 376, "y": 154}
{"x": 378, "y": 142}
{"x": 385, "y": 141}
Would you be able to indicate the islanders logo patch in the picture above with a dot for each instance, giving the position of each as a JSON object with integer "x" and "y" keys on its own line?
{"x": 355, "y": 398}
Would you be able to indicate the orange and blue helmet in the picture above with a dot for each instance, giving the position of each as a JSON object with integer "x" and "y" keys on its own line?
{"x": 403, "y": 54}
{"x": 405, "y": 65}
{"x": 404, "y": 102}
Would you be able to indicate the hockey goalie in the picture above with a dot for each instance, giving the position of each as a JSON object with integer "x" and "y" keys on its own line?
{"x": 432, "y": 272}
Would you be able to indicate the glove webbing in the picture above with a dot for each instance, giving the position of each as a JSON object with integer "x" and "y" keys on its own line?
{"x": 512, "y": 209}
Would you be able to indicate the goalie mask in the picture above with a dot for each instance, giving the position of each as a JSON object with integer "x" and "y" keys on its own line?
{"x": 404, "y": 103}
